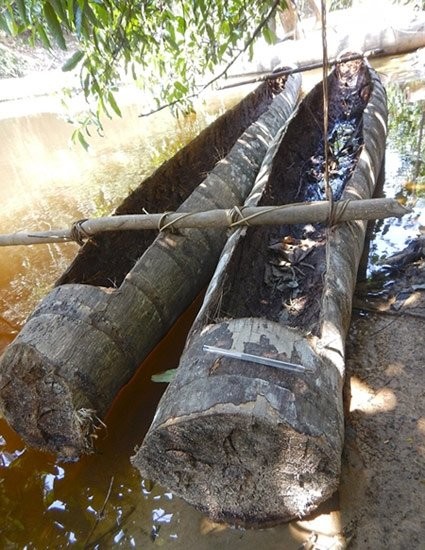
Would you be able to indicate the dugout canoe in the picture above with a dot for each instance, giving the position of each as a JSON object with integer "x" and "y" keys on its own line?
{"x": 124, "y": 291}
{"x": 255, "y": 444}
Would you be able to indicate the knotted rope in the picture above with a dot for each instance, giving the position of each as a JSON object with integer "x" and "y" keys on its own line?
{"x": 163, "y": 225}
{"x": 238, "y": 219}
{"x": 78, "y": 233}
{"x": 336, "y": 211}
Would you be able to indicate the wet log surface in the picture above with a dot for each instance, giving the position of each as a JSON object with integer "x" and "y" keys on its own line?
{"x": 83, "y": 342}
{"x": 254, "y": 445}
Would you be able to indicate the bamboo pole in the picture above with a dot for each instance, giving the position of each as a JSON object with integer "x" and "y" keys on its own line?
{"x": 310, "y": 212}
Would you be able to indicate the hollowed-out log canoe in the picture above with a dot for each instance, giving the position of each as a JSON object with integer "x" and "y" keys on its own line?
{"x": 256, "y": 444}
{"x": 124, "y": 291}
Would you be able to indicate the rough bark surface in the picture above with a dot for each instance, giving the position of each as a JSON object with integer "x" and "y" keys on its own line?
{"x": 248, "y": 444}
{"x": 254, "y": 445}
{"x": 83, "y": 343}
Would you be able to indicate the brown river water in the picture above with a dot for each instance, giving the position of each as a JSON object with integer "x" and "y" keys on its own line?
{"x": 101, "y": 501}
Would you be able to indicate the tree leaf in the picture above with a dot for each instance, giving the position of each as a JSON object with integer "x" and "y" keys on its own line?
{"x": 73, "y": 61}
{"x": 210, "y": 32}
{"x": 102, "y": 14}
{"x": 133, "y": 71}
{"x": 113, "y": 104}
{"x": 269, "y": 35}
{"x": 78, "y": 20}
{"x": 58, "y": 7}
{"x": 82, "y": 140}
{"x": 20, "y": 4}
{"x": 8, "y": 23}
{"x": 181, "y": 24}
{"x": 43, "y": 36}
{"x": 180, "y": 87}
{"x": 3, "y": 23}
{"x": 222, "y": 49}
{"x": 54, "y": 25}
{"x": 164, "y": 377}
{"x": 70, "y": 10}
{"x": 90, "y": 15}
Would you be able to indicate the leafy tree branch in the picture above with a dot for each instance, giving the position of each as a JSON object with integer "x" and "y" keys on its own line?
{"x": 166, "y": 47}
{"x": 224, "y": 71}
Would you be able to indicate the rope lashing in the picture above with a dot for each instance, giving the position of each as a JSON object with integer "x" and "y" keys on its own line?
{"x": 336, "y": 211}
{"x": 234, "y": 216}
{"x": 77, "y": 232}
{"x": 242, "y": 220}
{"x": 163, "y": 225}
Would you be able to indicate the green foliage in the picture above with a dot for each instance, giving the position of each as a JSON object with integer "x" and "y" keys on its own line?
{"x": 164, "y": 377}
{"x": 54, "y": 25}
{"x": 166, "y": 47}
{"x": 405, "y": 123}
{"x": 340, "y": 4}
{"x": 73, "y": 61}
{"x": 11, "y": 65}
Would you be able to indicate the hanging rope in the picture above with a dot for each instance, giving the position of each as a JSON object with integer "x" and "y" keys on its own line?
{"x": 328, "y": 189}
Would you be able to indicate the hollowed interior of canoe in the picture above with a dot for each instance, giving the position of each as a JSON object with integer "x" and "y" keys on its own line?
{"x": 276, "y": 273}
{"x": 106, "y": 259}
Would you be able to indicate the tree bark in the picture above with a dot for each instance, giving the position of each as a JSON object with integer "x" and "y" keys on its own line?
{"x": 83, "y": 343}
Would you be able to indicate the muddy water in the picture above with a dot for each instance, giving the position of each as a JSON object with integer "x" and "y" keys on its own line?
{"x": 101, "y": 501}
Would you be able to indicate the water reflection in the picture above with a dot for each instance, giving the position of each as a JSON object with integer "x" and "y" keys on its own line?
{"x": 101, "y": 501}
{"x": 404, "y": 175}
{"x": 45, "y": 184}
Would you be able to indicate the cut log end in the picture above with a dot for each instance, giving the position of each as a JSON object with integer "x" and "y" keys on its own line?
{"x": 248, "y": 444}
{"x": 250, "y": 469}
{"x": 38, "y": 404}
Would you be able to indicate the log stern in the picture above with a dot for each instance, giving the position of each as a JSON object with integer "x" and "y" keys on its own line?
{"x": 39, "y": 405}
{"x": 250, "y": 445}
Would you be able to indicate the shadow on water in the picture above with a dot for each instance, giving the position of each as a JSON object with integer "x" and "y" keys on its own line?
{"x": 101, "y": 501}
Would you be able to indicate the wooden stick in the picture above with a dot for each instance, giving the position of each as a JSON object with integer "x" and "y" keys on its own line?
{"x": 262, "y": 76}
{"x": 309, "y": 212}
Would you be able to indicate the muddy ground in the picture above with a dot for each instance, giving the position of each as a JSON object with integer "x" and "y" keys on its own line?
{"x": 382, "y": 494}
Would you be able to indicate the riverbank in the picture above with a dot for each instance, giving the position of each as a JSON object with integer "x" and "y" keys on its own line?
{"x": 382, "y": 492}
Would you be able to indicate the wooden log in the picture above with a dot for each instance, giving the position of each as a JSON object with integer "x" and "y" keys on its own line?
{"x": 251, "y": 444}
{"x": 311, "y": 212}
{"x": 83, "y": 343}
{"x": 413, "y": 252}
